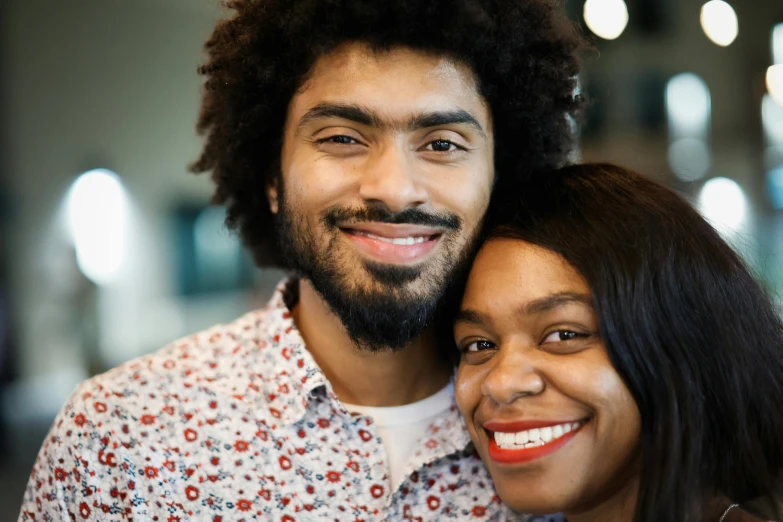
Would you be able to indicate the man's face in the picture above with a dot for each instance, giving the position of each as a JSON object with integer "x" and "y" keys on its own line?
{"x": 386, "y": 173}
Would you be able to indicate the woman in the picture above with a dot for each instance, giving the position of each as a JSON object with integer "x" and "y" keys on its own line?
{"x": 618, "y": 361}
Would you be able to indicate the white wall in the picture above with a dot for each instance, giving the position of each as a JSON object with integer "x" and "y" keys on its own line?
{"x": 102, "y": 83}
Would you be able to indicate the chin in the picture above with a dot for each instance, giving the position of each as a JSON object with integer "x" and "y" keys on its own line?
{"x": 530, "y": 506}
{"x": 534, "y": 498}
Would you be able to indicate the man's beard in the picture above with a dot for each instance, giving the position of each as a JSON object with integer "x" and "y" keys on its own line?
{"x": 387, "y": 306}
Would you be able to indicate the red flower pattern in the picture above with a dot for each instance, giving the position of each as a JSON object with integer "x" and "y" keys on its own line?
{"x": 249, "y": 387}
{"x": 191, "y": 492}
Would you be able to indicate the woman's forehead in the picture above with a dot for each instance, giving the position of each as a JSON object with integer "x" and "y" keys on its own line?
{"x": 514, "y": 270}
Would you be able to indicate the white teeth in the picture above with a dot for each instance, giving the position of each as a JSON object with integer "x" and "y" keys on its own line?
{"x": 534, "y": 437}
{"x": 397, "y": 240}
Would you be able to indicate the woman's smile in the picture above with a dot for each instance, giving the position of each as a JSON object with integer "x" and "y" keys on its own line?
{"x": 524, "y": 441}
{"x": 547, "y": 411}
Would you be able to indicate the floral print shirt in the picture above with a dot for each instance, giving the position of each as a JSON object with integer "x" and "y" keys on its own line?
{"x": 239, "y": 423}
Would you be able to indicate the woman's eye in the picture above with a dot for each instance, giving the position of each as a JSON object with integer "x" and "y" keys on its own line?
{"x": 559, "y": 336}
{"x": 443, "y": 146}
{"x": 478, "y": 346}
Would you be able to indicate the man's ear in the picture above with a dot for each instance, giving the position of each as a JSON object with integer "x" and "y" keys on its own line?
{"x": 272, "y": 195}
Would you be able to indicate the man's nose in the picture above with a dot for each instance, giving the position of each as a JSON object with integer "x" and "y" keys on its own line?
{"x": 392, "y": 180}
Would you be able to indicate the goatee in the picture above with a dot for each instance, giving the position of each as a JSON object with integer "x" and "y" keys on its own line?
{"x": 387, "y": 306}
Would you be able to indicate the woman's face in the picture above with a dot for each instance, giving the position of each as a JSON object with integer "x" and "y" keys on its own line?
{"x": 547, "y": 411}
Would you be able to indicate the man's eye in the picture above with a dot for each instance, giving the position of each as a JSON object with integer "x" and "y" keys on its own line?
{"x": 443, "y": 146}
{"x": 339, "y": 140}
{"x": 562, "y": 335}
{"x": 478, "y": 346}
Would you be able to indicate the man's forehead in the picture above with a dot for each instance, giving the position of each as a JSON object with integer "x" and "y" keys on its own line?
{"x": 361, "y": 57}
{"x": 357, "y": 74}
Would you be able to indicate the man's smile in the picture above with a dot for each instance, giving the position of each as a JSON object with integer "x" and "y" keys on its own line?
{"x": 392, "y": 243}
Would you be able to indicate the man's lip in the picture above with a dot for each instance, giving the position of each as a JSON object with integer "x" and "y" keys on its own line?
{"x": 390, "y": 230}
{"x": 524, "y": 425}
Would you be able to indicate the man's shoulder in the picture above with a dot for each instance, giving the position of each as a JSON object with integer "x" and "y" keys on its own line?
{"x": 223, "y": 360}
{"x": 206, "y": 356}
{"x": 160, "y": 418}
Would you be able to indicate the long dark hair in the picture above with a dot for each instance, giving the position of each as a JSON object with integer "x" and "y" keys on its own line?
{"x": 692, "y": 334}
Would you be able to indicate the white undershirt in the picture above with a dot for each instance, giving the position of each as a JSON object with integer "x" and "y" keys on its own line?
{"x": 402, "y": 427}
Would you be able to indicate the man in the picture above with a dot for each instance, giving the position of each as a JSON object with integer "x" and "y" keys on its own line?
{"x": 356, "y": 143}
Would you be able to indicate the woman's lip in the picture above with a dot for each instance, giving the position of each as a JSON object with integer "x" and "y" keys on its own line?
{"x": 523, "y": 455}
{"x": 524, "y": 425}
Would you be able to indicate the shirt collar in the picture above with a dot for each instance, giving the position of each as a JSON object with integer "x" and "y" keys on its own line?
{"x": 288, "y": 388}
{"x": 447, "y": 435}
{"x": 297, "y": 379}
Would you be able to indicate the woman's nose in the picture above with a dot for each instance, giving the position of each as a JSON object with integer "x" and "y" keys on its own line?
{"x": 513, "y": 375}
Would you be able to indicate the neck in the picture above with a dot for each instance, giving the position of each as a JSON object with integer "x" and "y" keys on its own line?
{"x": 620, "y": 507}
{"x": 360, "y": 377}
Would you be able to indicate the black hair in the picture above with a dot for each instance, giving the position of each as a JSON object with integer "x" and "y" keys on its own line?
{"x": 524, "y": 54}
{"x": 693, "y": 335}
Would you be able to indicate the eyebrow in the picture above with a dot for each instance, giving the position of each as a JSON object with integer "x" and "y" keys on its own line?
{"x": 545, "y": 304}
{"x": 370, "y": 118}
{"x": 553, "y": 301}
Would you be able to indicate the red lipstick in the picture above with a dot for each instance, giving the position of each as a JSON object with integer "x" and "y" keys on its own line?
{"x": 522, "y": 455}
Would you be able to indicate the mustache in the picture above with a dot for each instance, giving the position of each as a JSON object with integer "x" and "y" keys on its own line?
{"x": 335, "y": 216}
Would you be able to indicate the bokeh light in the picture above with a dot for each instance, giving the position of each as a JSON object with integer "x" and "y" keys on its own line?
{"x": 775, "y": 82}
{"x": 97, "y": 214}
{"x": 777, "y": 44}
{"x": 689, "y": 106}
{"x": 719, "y": 22}
{"x": 723, "y": 203}
{"x": 772, "y": 120}
{"x": 775, "y": 186}
{"x": 606, "y": 18}
{"x": 689, "y": 112}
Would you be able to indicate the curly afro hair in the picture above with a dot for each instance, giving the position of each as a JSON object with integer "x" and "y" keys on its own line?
{"x": 525, "y": 54}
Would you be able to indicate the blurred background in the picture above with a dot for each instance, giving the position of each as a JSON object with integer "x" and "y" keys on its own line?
{"x": 109, "y": 249}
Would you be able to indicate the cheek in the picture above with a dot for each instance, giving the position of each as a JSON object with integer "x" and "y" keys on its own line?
{"x": 313, "y": 186}
{"x": 612, "y": 395}
{"x": 619, "y": 420}
{"x": 628, "y": 415}
{"x": 593, "y": 381}
{"x": 467, "y": 390}
{"x": 474, "y": 199}
{"x": 465, "y": 193}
